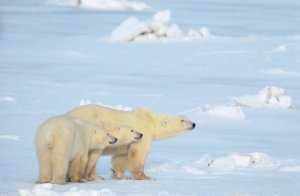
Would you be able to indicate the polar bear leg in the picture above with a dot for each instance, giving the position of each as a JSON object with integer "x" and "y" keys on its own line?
{"x": 119, "y": 165}
{"x": 45, "y": 167}
{"x": 77, "y": 168}
{"x": 60, "y": 168}
{"x": 90, "y": 172}
{"x": 137, "y": 157}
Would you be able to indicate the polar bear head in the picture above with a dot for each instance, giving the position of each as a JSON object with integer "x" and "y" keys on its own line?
{"x": 163, "y": 125}
{"x": 99, "y": 137}
{"x": 125, "y": 134}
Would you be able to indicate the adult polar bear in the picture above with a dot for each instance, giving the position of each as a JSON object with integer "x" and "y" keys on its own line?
{"x": 152, "y": 125}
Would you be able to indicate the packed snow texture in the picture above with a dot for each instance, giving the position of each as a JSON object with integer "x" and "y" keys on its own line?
{"x": 46, "y": 189}
{"x": 159, "y": 28}
{"x": 113, "y": 5}
{"x": 269, "y": 97}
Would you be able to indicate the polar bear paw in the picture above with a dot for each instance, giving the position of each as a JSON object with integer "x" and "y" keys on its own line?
{"x": 119, "y": 175}
{"x": 94, "y": 178}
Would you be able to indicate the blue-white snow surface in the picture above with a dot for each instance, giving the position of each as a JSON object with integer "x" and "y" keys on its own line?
{"x": 51, "y": 57}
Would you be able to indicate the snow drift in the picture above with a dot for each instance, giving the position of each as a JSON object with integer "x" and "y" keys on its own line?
{"x": 158, "y": 28}
{"x": 220, "y": 111}
{"x": 207, "y": 164}
{"x": 112, "y": 5}
{"x": 269, "y": 97}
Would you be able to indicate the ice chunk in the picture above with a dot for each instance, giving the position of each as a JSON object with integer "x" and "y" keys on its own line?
{"x": 159, "y": 28}
{"x": 201, "y": 33}
{"x": 269, "y": 97}
{"x": 259, "y": 160}
{"x": 162, "y": 17}
{"x": 129, "y": 30}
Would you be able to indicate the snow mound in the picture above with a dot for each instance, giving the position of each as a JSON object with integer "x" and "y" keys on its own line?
{"x": 7, "y": 99}
{"x": 262, "y": 160}
{"x": 230, "y": 162}
{"x": 45, "y": 189}
{"x": 113, "y": 5}
{"x": 10, "y": 137}
{"x": 269, "y": 97}
{"x": 158, "y": 28}
{"x": 117, "y": 107}
{"x": 221, "y": 111}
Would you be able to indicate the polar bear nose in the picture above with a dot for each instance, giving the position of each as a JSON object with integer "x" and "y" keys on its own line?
{"x": 113, "y": 141}
{"x": 139, "y": 136}
{"x": 194, "y": 125}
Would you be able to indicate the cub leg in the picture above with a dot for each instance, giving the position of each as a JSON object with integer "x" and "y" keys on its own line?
{"x": 90, "y": 171}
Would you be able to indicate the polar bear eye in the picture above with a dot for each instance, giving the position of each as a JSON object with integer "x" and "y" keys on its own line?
{"x": 164, "y": 122}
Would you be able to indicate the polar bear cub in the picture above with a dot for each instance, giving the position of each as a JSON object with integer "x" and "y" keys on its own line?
{"x": 125, "y": 135}
{"x": 63, "y": 144}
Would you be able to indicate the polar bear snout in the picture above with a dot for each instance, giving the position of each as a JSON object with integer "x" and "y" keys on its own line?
{"x": 193, "y": 125}
{"x": 139, "y": 136}
{"x": 113, "y": 139}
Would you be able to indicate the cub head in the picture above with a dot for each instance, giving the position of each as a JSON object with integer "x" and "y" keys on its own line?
{"x": 165, "y": 125}
{"x": 125, "y": 134}
{"x": 101, "y": 138}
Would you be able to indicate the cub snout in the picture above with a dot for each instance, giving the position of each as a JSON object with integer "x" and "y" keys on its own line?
{"x": 113, "y": 139}
{"x": 138, "y": 135}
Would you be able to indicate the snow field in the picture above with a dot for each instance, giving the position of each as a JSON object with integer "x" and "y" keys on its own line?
{"x": 103, "y": 5}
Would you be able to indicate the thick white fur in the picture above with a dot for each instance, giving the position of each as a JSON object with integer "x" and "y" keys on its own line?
{"x": 153, "y": 126}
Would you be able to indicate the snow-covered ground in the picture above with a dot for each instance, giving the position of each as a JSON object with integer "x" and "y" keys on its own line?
{"x": 102, "y": 5}
{"x": 53, "y": 58}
